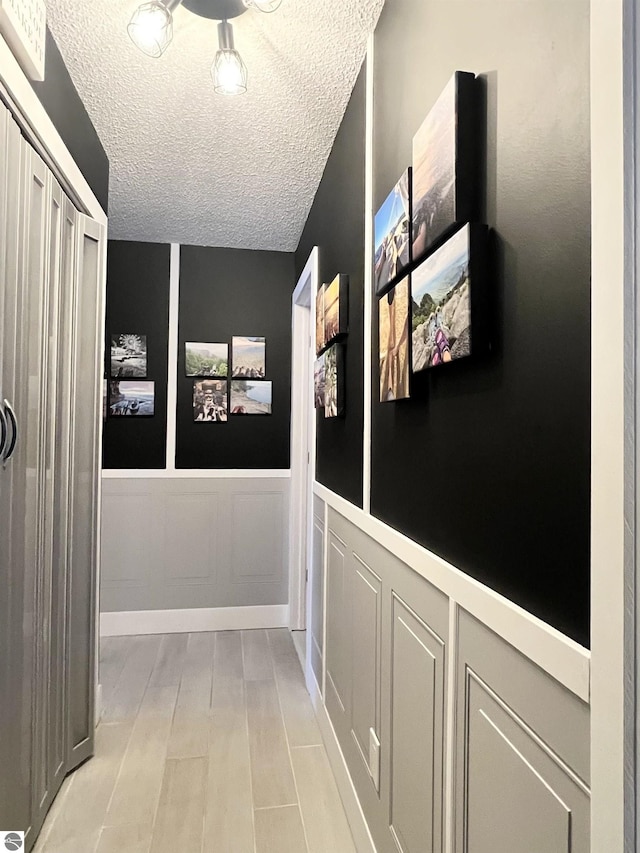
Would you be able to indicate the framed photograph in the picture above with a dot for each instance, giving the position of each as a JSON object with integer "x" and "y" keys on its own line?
{"x": 249, "y": 358}
{"x": 320, "y": 319}
{"x": 448, "y": 297}
{"x": 207, "y": 359}
{"x": 335, "y": 309}
{"x": 131, "y": 399}
{"x": 318, "y": 382}
{"x": 249, "y": 397}
{"x": 210, "y": 401}
{"x": 393, "y": 320}
{"x": 105, "y": 399}
{"x": 393, "y": 235}
{"x": 128, "y": 356}
{"x": 334, "y": 381}
{"x": 446, "y": 165}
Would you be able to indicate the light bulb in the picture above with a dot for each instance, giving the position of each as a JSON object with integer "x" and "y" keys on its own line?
{"x": 151, "y": 28}
{"x": 263, "y": 5}
{"x": 229, "y": 73}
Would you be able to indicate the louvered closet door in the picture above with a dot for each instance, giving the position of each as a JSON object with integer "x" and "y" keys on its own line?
{"x": 86, "y": 401}
{"x": 15, "y": 772}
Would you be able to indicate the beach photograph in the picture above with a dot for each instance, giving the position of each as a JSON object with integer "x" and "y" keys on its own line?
{"x": 332, "y": 310}
{"x": 434, "y": 159}
{"x": 249, "y": 358}
{"x": 318, "y": 382}
{"x": 251, "y": 398}
{"x": 210, "y": 402}
{"x": 441, "y": 305}
{"x": 392, "y": 237}
{"x": 206, "y": 359}
{"x": 128, "y": 356}
{"x": 320, "y": 319}
{"x": 132, "y": 399}
{"x": 393, "y": 320}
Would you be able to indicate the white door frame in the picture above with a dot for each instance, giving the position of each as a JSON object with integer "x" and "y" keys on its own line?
{"x": 303, "y": 443}
{"x": 41, "y": 132}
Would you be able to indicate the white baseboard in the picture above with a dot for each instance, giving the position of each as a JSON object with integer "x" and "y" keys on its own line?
{"x": 191, "y": 621}
{"x": 357, "y": 822}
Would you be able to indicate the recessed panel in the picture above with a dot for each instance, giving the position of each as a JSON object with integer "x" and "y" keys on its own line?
{"x": 256, "y": 538}
{"x": 365, "y": 628}
{"x": 126, "y": 539}
{"x": 337, "y": 650}
{"x": 191, "y": 549}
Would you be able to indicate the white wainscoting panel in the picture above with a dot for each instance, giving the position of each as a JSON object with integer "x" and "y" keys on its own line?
{"x": 180, "y": 544}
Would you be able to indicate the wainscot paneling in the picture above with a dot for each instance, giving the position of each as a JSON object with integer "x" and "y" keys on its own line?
{"x": 316, "y": 608}
{"x": 476, "y": 742}
{"x": 172, "y": 544}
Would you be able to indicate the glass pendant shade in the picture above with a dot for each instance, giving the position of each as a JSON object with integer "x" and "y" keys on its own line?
{"x": 229, "y": 73}
{"x": 263, "y": 5}
{"x": 151, "y": 28}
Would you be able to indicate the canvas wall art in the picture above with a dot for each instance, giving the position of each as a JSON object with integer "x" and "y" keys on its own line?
{"x": 393, "y": 309}
{"x": 441, "y": 304}
{"x": 334, "y": 381}
{"x": 131, "y": 399}
{"x": 335, "y": 308}
{"x": 206, "y": 359}
{"x": 249, "y": 358}
{"x": 392, "y": 235}
{"x": 250, "y": 397}
{"x": 318, "y": 382}
{"x": 210, "y": 401}
{"x": 128, "y": 356}
{"x": 445, "y": 165}
{"x": 320, "y": 341}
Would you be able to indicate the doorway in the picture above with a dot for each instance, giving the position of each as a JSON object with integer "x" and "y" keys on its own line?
{"x": 302, "y": 446}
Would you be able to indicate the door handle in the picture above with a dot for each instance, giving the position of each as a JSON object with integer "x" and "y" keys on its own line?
{"x": 14, "y": 428}
{"x": 3, "y": 431}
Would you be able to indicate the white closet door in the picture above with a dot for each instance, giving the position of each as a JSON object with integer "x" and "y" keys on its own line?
{"x": 86, "y": 402}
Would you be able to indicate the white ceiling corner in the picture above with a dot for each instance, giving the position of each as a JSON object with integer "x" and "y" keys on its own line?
{"x": 190, "y": 166}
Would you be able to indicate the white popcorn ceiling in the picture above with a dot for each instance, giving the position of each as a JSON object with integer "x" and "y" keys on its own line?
{"x": 190, "y": 166}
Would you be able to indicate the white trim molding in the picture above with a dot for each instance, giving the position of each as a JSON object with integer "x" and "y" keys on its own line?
{"x": 196, "y": 474}
{"x": 192, "y": 621}
{"x": 368, "y": 278}
{"x": 562, "y": 658}
{"x": 172, "y": 353}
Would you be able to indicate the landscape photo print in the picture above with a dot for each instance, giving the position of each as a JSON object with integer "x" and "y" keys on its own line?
{"x": 249, "y": 358}
{"x": 335, "y": 308}
{"x": 334, "y": 381}
{"x": 441, "y": 304}
{"x": 249, "y": 397}
{"x": 393, "y": 321}
{"x": 131, "y": 399}
{"x": 206, "y": 359}
{"x": 210, "y": 401}
{"x": 318, "y": 382}
{"x": 393, "y": 235}
{"x": 320, "y": 341}
{"x": 128, "y": 356}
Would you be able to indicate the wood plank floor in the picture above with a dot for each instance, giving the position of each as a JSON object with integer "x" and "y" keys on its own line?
{"x": 207, "y": 744}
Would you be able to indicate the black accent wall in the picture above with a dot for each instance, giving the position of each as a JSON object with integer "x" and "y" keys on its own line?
{"x": 489, "y": 464}
{"x": 59, "y": 97}
{"x": 336, "y": 226}
{"x": 227, "y": 292}
{"x": 138, "y": 302}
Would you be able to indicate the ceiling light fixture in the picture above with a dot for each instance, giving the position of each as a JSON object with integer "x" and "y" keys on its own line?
{"x": 151, "y": 30}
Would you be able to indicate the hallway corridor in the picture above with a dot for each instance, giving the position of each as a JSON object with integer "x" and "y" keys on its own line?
{"x": 207, "y": 742}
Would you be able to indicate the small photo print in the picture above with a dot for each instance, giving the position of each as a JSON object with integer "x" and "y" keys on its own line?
{"x": 394, "y": 343}
{"x": 320, "y": 339}
{"x": 105, "y": 399}
{"x": 334, "y": 379}
{"x": 206, "y": 359}
{"x": 318, "y": 382}
{"x": 128, "y": 399}
{"x": 128, "y": 356}
{"x": 393, "y": 235}
{"x": 210, "y": 402}
{"x": 249, "y": 358}
{"x": 250, "y": 398}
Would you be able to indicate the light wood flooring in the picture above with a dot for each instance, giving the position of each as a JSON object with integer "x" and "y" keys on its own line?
{"x": 207, "y": 744}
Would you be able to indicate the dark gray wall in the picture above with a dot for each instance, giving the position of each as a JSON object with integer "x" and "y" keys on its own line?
{"x": 227, "y": 292}
{"x": 488, "y": 465}
{"x": 138, "y": 302}
{"x": 62, "y": 102}
{"x": 336, "y": 226}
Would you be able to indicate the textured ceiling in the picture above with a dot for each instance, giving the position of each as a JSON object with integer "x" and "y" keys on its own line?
{"x": 191, "y": 166}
